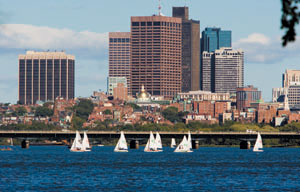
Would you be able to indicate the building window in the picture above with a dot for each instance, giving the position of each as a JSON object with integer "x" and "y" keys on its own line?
{"x": 135, "y": 23}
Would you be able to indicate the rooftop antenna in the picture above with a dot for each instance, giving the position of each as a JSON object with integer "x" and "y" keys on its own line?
{"x": 159, "y": 8}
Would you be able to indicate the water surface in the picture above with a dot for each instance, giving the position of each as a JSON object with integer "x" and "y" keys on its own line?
{"x": 54, "y": 168}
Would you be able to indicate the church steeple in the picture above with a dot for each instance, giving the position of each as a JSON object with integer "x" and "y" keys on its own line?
{"x": 286, "y": 100}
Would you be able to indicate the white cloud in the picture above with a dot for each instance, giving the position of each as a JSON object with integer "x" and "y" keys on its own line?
{"x": 256, "y": 38}
{"x": 89, "y": 48}
{"x": 22, "y": 36}
{"x": 259, "y": 48}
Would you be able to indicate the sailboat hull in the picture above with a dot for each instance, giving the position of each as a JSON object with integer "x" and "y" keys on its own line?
{"x": 154, "y": 151}
{"x": 120, "y": 150}
{"x": 77, "y": 150}
{"x": 183, "y": 151}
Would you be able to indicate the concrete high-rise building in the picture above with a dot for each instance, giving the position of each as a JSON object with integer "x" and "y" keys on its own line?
{"x": 43, "y": 76}
{"x": 214, "y": 38}
{"x": 227, "y": 70}
{"x": 190, "y": 50}
{"x": 290, "y": 77}
{"x": 206, "y": 78}
{"x": 247, "y": 95}
{"x": 156, "y": 46}
{"x": 290, "y": 90}
{"x": 293, "y": 95}
{"x": 119, "y": 55}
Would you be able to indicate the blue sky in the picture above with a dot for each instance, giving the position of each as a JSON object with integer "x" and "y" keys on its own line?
{"x": 80, "y": 28}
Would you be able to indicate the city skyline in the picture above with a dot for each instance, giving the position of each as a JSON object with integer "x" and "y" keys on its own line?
{"x": 77, "y": 36}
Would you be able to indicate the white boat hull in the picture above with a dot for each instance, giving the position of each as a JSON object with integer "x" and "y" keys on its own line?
{"x": 153, "y": 151}
{"x": 77, "y": 150}
{"x": 183, "y": 151}
{"x": 120, "y": 150}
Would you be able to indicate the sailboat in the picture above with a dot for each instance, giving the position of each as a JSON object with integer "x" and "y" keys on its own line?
{"x": 77, "y": 145}
{"x": 173, "y": 143}
{"x": 183, "y": 146}
{"x": 189, "y": 140}
{"x": 151, "y": 144}
{"x": 11, "y": 142}
{"x": 158, "y": 142}
{"x": 85, "y": 143}
{"x": 122, "y": 144}
{"x": 258, "y": 144}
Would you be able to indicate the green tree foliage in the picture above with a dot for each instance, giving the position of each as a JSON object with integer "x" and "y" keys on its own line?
{"x": 20, "y": 111}
{"x": 294, "y": 127}
{"x": 77, "y": 122}
{"x": 84, "y": 108}
{"x": 289, "y": 20}
{"x": 107, "y": 112}
{"x": 43, "y": 112}
{"x": 133, "y": 105}
{"x": 34, "y": 126}
{"x": 172, "y": 114}
{"x": 47, "y": 104}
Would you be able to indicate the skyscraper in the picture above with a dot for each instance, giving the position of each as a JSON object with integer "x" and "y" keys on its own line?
{"x": 215, "y": 38}
{"x": 227, "y": 70}
{"x": 190, "y": 50}
{"x": 206, "y": 71}
{"x": 119, "y": 55}
{"x": 43, "y": 76}
{"x": 211, "y": 40}
{"x": 156, "y": 45}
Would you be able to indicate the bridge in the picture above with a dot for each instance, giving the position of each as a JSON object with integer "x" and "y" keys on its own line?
{"x": 135, "y": 136}
{"x": 145, "y": 134}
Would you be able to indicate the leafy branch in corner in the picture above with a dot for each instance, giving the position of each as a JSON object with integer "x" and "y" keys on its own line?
{"x": 289, "y": 19}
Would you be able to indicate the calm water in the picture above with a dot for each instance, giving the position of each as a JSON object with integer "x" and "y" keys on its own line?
{"x": 54, "y": 168}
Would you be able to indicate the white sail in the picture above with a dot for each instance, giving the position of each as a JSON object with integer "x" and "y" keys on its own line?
{"x": 258, "y": 144}
{"x": 158, "y": 141}
{"x": 11, "y": 142}
{"x": 173, "y": 143}
{"x": 77, "y": 146}
{"x": 85, "y": 142}
{"x": 183, "y": 146}
{"x": 122, "y": 144}
{"x": 189, "y": 140}
{"x": 147, "y": 146}
{"x": 151, "y": 144}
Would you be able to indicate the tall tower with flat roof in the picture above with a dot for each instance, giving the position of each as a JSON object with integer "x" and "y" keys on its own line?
{"x": 119, "y": 55}
{"x": 156, "y": 51}
{"x": 190, "y": 50}
{"x": 43, "y": 76}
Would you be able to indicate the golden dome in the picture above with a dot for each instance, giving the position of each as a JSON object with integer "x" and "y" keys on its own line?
{"x": 143, "y": 95}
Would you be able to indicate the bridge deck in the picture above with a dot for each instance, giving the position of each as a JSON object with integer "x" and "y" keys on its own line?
{"x": 145, "y": 134}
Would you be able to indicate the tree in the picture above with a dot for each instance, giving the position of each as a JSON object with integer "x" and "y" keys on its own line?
{"x": 107, "y": 122}
{"x": 289, "y": 19}
{"x": 77, "y": 122}
{"x": 20, "y": 111}
{"x": 171, "y": 113}
{"x": 47, "y": 104}
{"x": 107, "y": 112}
{"x": 133, "y": 105}
{"x": 43, "y": 112}
{"x": 84, "y": 108}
